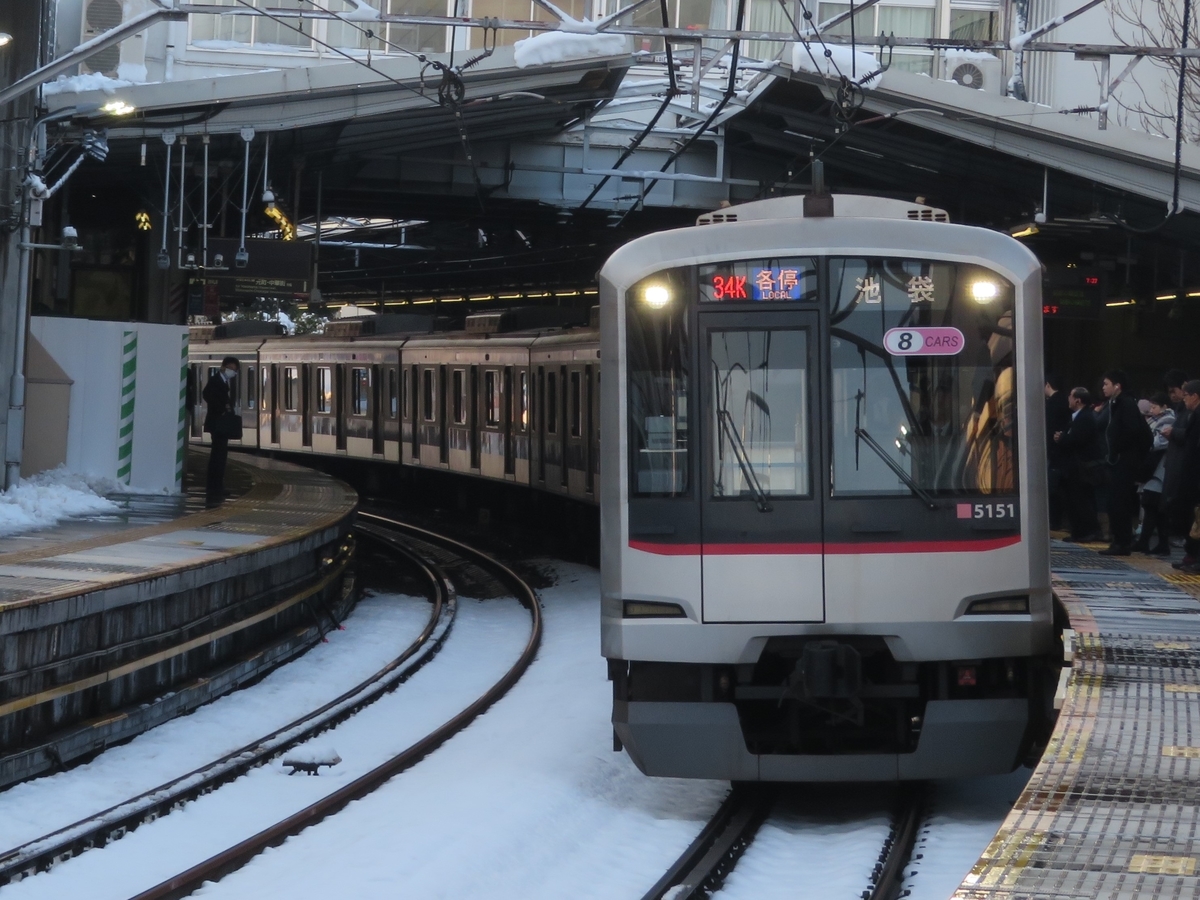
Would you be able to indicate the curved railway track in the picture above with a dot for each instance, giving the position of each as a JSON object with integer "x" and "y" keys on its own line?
{"x": 425, "y": 552}
{"x": 702, "y": 868}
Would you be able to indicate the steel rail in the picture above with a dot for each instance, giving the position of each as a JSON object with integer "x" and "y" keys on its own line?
{"x": 888, "y": 877}
{"x": 216, "y": 867}
{"x": 111, "y": 824}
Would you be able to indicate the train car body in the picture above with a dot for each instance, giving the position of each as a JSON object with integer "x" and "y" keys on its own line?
{"x": 824, "y": 545}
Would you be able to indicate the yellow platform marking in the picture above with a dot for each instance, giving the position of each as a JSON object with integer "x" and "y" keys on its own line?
{"x": 1183, "y": 752}
{"x": 1171, "y": 645}
{"x": 1155, "y": 864}
{"x": 1182, "y": 688}
{"x": 1006, "y": 856}
{"x": 1181, "y": 578}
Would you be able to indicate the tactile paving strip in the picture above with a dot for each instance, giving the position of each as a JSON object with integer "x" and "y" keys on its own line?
{"x": 1112, "y": 810}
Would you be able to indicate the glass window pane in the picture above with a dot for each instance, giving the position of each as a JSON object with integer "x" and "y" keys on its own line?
{"x": 972, "y": 25}
{"x": 759, "y": 415}
{"x": 427, "y": 393}
{"x": 422, "y": 38}
{"x": 324, "y": 390}
{"x": 460, "y": 403}
{"x": 864, "y": 22}
{"x": 923, "y": 391}
{"x": 523, "y": 400}
{"x": 251, "y": 387}
{"x": 501, "y": 9}
{"x": 360, "y": 388}
{"x": 917, "y": 63}
{"x": 551, "y": 404}
{"x": 270, "y": 31}
{"x": 906, "y": 21}
{"x": 658, "y": 349}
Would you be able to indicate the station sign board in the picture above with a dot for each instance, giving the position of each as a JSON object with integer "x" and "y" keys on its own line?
{"x": 281, "y": 269}
{"x": 1072, "y": 292}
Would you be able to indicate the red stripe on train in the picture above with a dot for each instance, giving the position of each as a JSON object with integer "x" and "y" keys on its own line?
{"x": 830, "y": 549}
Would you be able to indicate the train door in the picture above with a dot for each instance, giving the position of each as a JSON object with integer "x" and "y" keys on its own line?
{"x": 377, "y": 410}
{"x": 473, "y": 418}
{"x": 443, "y": 417}
{"x": 588, "y": 426}
{"x": 565, "y": 439}
{"x": 761, "y": 517}
{"x": 275, "y": 403}
{"x": 540, "y": 420}
{"x": 340, "y": 406}
{"x": 506, "y": 423}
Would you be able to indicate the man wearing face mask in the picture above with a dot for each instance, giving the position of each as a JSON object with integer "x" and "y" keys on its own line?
{"x": 220, "y": 420}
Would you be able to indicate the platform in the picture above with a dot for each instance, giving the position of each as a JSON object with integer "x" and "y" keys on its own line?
{"x": 1113, "y": 808}
{"x": 111, "y": 624}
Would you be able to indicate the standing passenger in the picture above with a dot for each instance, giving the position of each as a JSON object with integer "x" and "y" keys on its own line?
{"x": 1187, "y": 490}
{"x": 1128, "y": 438}
{"x": 1179, "y": 517}
{"x": 219, "y": 399}
{"x": 1154, "y": 519}
{"x": 1083, "y": 466}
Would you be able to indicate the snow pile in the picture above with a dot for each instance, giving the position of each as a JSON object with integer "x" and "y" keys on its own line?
{"x": 362, "y": 12}
{"x": 557, "y": 46}
{"x": 78, "y": 84}
{"x": 42, "y": 500}
{"x": 841, "y": 60}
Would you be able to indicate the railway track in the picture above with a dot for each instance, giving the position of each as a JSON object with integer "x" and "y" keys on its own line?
{"x": 702, "y": 868}
{"x": 426, "y": 553}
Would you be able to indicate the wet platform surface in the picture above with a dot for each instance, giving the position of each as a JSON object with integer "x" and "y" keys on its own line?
{"x": 152, "y": 534}
{"x": 1113, "y": 808}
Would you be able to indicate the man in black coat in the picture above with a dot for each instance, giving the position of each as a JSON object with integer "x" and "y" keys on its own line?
{"x": 1129, "y": 439}
{"x": 219, "y": 400}
{"x": 1058, "y": 418}
{"x": 1186, "y": 437}
{"x": 1079, "y": 449}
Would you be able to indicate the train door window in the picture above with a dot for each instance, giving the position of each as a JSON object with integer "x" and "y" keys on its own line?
{"x": 562, "y": 446}
{"x": 405, "y": 389}
{"x": 491, "y": 397}
{"x": 507, "y": 421}
{"x": 522, "y": 416}
{"x": 251, "y": 387}
{"x": 324, "y": 390}
{"x": 576, "y": 405}
{"x": 306, "y": 379}
{"x": 427, "y": 395}
{"x": 551, "y": 404}
{"x": 291, "y": 388}
{"x": 393, "y": 394}
{"x": 923, "y": 388}
{"x": 460, "y": 398}
{"x": 444, "y": 447}
{"x": 759, "y": 412}
{"x": 377, "y": 410}
{"x": 339, "y": 405}
{"x": 474, "y": 414}
{"x": 275, "y": 404}
{"x": 541, "y": 423}
{"x": 587, "y": 444}
{"x": 360, "y": 391}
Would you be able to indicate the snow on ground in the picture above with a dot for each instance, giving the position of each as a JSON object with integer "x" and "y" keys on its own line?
{"x": 842, "y": 60}
{"x": 962, "y": 822}
{"x": 817, "y": 846}
{"x": 42, "y": 500}
{"x": 89, "y": 81}
{"x": 376, "y": 631}
{"x": 557, "y": 46}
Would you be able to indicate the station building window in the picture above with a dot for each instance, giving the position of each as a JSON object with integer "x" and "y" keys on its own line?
{"x": 974, "y": 24}
{"x": 262, "y": 31}
{"x": 324, "y": 390}
{"x": 291, "y": 388}
{"x": 360, "y": 391}
{"x": 905, "y": 21}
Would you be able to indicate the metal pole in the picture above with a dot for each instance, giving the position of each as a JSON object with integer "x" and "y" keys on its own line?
{"x": 182, "y": 176}
{"x": 204, "y": 221}
{"x": 247, "y": 137}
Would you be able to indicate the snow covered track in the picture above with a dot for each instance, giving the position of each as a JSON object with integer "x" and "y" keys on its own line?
{"x": 97, "y": 830}
{"x": 703, "y": 867}
{"x": 216, "y": 867}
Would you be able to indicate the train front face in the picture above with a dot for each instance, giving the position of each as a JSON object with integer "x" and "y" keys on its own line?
{"x": 824, "y": 534}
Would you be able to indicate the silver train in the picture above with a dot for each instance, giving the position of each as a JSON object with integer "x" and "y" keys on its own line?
{"x": 825, "y": 549}
{"x": 835, "y": 567}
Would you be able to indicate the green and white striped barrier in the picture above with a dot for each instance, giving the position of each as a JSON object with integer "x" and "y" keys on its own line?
{"x": 181, "y": 437}
{"x": 128, "y": 385}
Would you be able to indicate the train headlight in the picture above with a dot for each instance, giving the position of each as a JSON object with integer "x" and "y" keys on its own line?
{"x": 985, "y": 291}
{"x": 656, "y": 296}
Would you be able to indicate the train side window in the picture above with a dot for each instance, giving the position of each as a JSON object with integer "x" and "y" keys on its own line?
{"x": 324, "y": 390}
{"x": 460, "y": 397}
{"x": 360, "y": 391}
{"x": 522, "y": 416}
{"x": 923, "y": 387}
{"x": 492, "y": 397}
{"x": 427, "y": 392}
{"x": 406, "y": 412}
{"x": 658, "y": 348}
{"x": 393, "y": 394}
{"x": 576, "y": 406}
{"x": 251, "y": 387}
{"x": 551, "y": 403}
{"x": 291, "y": 388}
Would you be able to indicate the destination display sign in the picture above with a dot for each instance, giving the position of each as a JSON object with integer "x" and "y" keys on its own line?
{"x": 924, "y": 341}
{"x": 766, "y": 280}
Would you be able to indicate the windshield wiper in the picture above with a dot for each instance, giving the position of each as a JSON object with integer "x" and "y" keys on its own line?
{"x": 739, "y": 453}
{"x": 896, "y": 467}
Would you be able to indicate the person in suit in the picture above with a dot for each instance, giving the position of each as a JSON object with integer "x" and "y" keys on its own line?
{"x": 218, "y": 400}
{"x": 1079, "y": 448}
{"x": 1058, "y": 418}
{"x": 1128, "y": 439}
{"x": 1187, "y": 490}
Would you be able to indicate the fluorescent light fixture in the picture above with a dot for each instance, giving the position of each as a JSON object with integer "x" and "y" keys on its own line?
{"x": 656, "y": 296}
{"x": 1121, "y": 303}
{"x": 1166, "y": 296}
{"x": 985, "y": 291}
{"x": 1024, "y": 231}
{"x": 1194, "y": 293}
{"x": 118, "y": 108}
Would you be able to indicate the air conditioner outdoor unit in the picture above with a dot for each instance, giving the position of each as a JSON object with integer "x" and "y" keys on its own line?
{"x": 972, "y": 69}
{"x": 98, "y": 17}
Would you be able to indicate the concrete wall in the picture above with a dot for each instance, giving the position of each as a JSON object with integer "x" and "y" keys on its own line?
{"x": 90, "y": 353}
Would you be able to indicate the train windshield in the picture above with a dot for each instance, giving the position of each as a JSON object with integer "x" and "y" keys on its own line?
{"x": 923, "y": 383}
